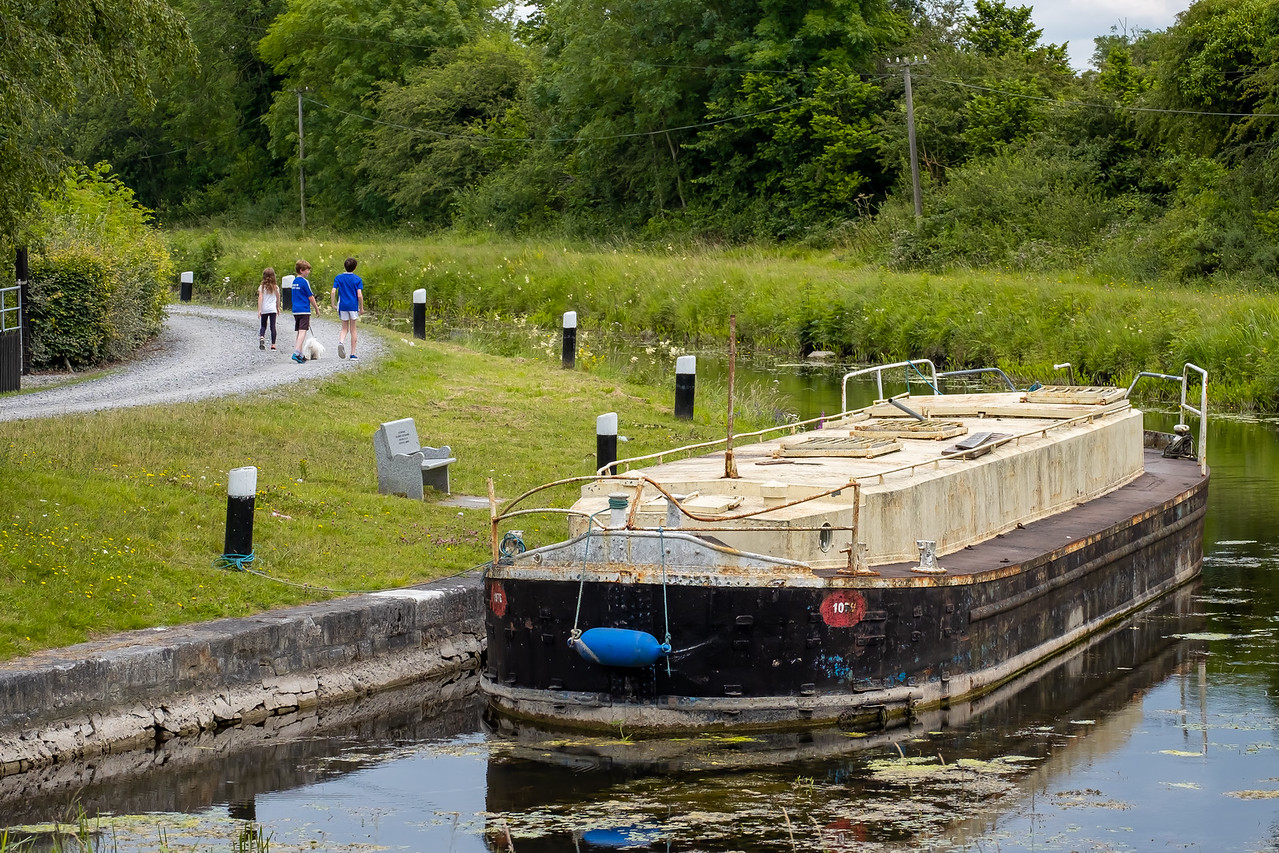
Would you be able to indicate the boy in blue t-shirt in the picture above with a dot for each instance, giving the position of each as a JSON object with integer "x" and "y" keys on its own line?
{"x": 347, "y": 299}
{"x": 303, "y": 303}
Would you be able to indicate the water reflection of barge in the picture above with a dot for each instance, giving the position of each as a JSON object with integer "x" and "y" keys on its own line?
{"x": 774, "y": 584}
{"x": 1054, "y": 718}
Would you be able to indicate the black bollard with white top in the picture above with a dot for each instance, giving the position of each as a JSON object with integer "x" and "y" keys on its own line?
{"x": 241, "y": 489}
{"x": 419, "y": 314}
{"x": 286, "y": 293}
{"x": 606, "y": 442}
{"x": 569, "y": 356}
{"x": 685, "y": 385}
{"x": 187, "y": 281}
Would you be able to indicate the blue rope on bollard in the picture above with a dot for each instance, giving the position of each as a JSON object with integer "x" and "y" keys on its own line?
{"x": 234, "y": 562}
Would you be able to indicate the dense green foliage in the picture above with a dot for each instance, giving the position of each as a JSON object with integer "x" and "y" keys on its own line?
{"x": 70, "y": 323}
{"x": 100, "y": 274}
{"x": 53, "y": 51}
{"x": 729, "y": 121}
{"x": 335, "y": 54}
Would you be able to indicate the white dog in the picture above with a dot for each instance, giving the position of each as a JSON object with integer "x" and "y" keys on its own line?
{"x": 311, "y": 347}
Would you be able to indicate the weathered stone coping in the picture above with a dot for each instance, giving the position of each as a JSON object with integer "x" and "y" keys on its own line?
{"x": 134, "y": 689}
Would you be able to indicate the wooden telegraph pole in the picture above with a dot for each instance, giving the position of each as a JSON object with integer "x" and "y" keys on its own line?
{"x": 910, "y": 131}
{"x": 301, "y": 154}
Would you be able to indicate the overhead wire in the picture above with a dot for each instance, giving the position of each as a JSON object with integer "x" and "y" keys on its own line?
{"x": 479, "y": 137}
{"x": 1072, "y": 103}
{"x": 525, "y": 139}
{"x": 201, "y": 144}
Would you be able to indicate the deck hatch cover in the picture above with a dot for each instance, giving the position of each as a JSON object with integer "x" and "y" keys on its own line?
{"x": 1100, "y": 395}
{"x": 836, "y": 445}
{"x": 903, "y": 428}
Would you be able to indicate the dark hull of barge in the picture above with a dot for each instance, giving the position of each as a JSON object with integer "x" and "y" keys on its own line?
{"x": 857, "y": 652}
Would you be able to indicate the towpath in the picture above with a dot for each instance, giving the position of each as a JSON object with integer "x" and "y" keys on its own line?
{"x": 202, "y": 352}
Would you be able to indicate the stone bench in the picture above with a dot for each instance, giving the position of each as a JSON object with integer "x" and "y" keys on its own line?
{"x": 404, "y": 466}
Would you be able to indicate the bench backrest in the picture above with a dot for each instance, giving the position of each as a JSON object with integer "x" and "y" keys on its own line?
{"x": 401, "y": 436}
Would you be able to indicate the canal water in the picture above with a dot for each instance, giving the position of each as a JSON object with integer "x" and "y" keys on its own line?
{"x": 1161, "y": 735}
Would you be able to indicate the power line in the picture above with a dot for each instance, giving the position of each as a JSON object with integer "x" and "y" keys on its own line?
{"x": 202, "y": 144}
{"x": 494, "y": 139}
{"x": 1119, "y": 107}
{"x": 481, "y": 138}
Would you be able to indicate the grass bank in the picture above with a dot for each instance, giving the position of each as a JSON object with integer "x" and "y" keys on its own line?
{"x": 113, "y": 521}
{"x": 792, "y": 300}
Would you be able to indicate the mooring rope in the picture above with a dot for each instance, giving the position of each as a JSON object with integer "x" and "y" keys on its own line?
{"x": 581, "y": 582}
{"x": 240, "y": 563}
{"x": 666, "y": 605}
{"x": 234, "y": 562}
{"x": 912, "y": 366}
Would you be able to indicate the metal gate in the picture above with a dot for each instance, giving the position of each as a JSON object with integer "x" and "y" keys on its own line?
{"x": 10, "y": 338}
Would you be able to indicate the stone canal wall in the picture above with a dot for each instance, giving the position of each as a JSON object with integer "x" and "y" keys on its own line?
{"x": 132, "y": 690}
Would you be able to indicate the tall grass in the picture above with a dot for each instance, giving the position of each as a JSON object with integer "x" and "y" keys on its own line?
{"x": 795, "y": 300}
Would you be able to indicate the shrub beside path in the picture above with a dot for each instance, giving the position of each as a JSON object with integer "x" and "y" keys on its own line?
{"x": 202, "y": 352}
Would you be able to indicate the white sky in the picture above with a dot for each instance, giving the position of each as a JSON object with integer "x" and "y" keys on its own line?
{"x": 1077, "y": 22}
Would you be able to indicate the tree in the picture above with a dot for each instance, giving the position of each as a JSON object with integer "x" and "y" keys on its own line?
{"x": 1220, "y": 59}
{"x": 336, "y": 53}
{"x": 1216, "y": 95}
{"x": 801, "y": 155}
{"x": 101, "y": 274}
{"x": 996, "y": 29}
{"x": 1008, "y": 80}
{"x": 202, "y": 147}
{"x": 621, "y": 81}
{"x": 441, "y": 130}
{"x": 672, "y": 108}
{"x": 51, "y": 53}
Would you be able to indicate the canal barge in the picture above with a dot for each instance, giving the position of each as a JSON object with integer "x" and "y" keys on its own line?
{"x": 920, "y": 550}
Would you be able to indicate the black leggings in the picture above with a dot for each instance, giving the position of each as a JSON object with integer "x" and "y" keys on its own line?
{"x": 262, "y": 331}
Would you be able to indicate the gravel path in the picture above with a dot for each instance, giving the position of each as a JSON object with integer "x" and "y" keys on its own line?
{"x": 203, "y": 352}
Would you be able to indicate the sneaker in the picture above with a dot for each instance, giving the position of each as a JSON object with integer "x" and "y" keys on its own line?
{"x": 299, "y": 358}
{"x": 262, "y": 344}
{"x": 272, "y": 347}
{"x": 341, "y": 350}
{"x": 354, "y": 357}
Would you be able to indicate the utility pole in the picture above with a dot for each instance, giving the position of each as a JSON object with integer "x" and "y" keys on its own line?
{"x": 301, "y": 154}
{"x": 910, "y": 132}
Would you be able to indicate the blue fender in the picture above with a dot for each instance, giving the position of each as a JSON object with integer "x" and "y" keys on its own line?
{"x": 616, "y": 839}
{"x": 619, "y": 647}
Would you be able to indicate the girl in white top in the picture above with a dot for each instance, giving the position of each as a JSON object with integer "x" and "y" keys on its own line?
{"x": 268, "y": 306}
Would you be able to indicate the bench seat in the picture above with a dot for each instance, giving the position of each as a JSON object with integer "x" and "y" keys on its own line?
{"x": 404, "y": 466}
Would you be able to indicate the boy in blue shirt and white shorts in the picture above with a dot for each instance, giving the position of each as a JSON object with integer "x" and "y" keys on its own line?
{"x": 347, "y": 298}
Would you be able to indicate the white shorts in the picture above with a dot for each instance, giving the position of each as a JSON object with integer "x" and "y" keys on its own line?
{"x": 348, "y": 315}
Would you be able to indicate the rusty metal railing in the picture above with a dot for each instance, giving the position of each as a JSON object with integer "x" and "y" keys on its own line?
{"x": 878, "y": 370}
{"x": 1184, "y": 408}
